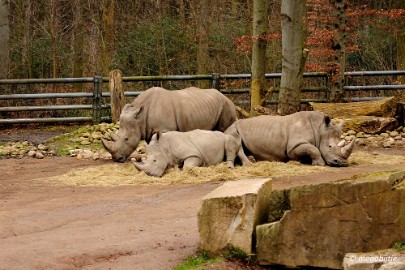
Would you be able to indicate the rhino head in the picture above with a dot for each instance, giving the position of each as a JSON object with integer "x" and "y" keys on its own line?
{"x": 157, "y": 159}
{"x": 123, "y": 144}
{"x": 332, "y": 148}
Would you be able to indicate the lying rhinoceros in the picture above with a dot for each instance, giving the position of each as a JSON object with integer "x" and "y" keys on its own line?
{"x": 158, "y": 109}
{"x": 306, "y": 136}
{"x": 196, "y": 148}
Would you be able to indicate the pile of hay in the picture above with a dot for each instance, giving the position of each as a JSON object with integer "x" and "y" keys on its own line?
{"x": 125, "y": 174}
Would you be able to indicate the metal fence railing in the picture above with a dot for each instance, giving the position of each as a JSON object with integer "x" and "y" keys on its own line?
{"x": 98, "y": 101}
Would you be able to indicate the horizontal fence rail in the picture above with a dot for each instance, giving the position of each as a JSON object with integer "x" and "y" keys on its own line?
{"x": 96, "y": 97}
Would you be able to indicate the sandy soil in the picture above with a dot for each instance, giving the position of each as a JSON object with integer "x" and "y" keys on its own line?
{"x": 120, "y": 227}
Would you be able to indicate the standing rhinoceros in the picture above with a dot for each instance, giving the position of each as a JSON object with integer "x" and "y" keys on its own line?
{"x": 158, "y": 109}
{"x": 300, "y": 136}
{"x": 196, "y": 148}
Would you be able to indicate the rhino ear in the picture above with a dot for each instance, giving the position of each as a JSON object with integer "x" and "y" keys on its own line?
{"x": 156, "y": 136}
{"x": 137, "y": 112}
{"x": 327, "y": 120}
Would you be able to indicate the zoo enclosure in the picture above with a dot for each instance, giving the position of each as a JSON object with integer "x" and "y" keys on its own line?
{"x": 97, "y": 109}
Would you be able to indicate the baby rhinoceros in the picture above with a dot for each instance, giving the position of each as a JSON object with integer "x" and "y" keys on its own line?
{"x": 196, "y": 148}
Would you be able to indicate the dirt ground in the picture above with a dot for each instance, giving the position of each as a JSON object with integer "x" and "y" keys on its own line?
{"x": 119, "y": 227}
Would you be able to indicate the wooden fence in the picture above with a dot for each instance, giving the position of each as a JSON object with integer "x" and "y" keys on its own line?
{"x": 98, "y": 101}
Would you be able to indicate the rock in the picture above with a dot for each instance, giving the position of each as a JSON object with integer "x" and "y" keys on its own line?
{"x": 42, "y": 147}
{"x": 394, "y": 133}
{"x": 31, "y": 153}
{"x": 382, "y": 259}
{"x": 86, "y": 134}
{"x": 384, "y": 135}
{"x": 387, "y": 144}
{"x": 86, "y": 154}
{"x": 351, "y": 132}
{"x": 370, "y": 124}
{"x": 229, "y": 214}
{"x": 326, "y": 221}
{"x": 96, "y": 156}
{"x": 360, "y": 135}
{"x": 39, "y": 155}
{"x": 85, "y": 142}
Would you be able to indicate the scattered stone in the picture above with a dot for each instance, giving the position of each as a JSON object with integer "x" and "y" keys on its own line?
{"x": 361, "y": 134}
{"x": 394, "y": 133}
{"x": 39, "y": 155}
{"x": 31, "y": 153}
{"x": 384, "y": 135}
{"x": 85, "y": 142}
{"x": 351, "y": 132}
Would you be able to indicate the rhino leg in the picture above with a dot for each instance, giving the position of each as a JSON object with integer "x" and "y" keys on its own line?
{"x": 192, "y": 162}
{"x": 304, "y": 150}
{"x": 234, "y": 146}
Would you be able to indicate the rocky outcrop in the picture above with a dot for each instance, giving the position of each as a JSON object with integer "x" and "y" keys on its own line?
{"x": 321, "y": 223}
{"x": 229, "y": 215}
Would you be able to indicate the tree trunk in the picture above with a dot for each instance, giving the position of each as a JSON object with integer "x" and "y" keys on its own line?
{"x": 26, "y": 39}
{"x": 293, "y": 55}
{"x": 202, "y": 12}
{"x": 53, "y": 31}
{"x": 77, "y": 42}
{"x": 338, "y": 45}
{"x": 117, "y": 95}
{"x": 384, "y": 107}
{"x": 107, "y": 34}
{"x": 260, "y": 26}
{"x": 4, "y": 38}
{"x": 401, "y": 44}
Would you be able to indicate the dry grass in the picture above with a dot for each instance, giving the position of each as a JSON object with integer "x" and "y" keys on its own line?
{"x": 125, "y": 174}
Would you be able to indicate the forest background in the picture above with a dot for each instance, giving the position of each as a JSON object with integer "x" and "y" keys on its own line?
{"x": 79, "y": 38}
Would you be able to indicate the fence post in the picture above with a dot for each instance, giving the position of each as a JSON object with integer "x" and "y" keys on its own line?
{"x": 117, "y": 97}
{"x": 216, "y": 81}
{"x": 97, "y": 80}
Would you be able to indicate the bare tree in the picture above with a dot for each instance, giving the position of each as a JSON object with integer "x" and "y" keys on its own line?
{"x": 200, "y": 11}
{"x": 338, "y": 46}
{"x": 260, "y": 26}
{"x": 107, "y": 34}
{"x": 293, "y": 55}
{"x": 401, "y": 43}
{"x": 4, "y": 38}
{"x": 77, "y": 40}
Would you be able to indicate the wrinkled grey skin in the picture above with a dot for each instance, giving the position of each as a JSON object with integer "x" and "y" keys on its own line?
{"x": 158, "y": 109}
{"x": 299, "y": 136}
{"x": 196, "y": 148}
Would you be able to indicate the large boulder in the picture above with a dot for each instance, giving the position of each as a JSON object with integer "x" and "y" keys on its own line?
{"x": 321, "y": 223}
{"x": 229, "y": 215}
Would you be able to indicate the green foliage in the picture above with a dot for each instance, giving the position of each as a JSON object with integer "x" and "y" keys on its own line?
{"x": 62, "y": 144}
{"x": 399, "y": 246}
{"x": 234, "y": 253}
{"x": 197, "y": 261}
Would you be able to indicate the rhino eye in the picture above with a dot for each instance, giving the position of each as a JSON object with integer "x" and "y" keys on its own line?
{"x": 126, "y": 139}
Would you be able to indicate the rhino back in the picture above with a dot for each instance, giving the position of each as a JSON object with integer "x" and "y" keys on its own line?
{"x": 272, "y": 137}
{"x": 184, "y": 110}
{"x": 208, "y": 145}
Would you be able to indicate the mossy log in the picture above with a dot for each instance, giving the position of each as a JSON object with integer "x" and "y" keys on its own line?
{"x": 384, "y": 108}
{"x": 370, "y": 124}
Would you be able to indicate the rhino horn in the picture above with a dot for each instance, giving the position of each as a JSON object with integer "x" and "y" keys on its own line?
{"x": 108, "y": 145}
{"x": 347, "y": 150}
{"x": 138, "y": 166}
{"x": 114, "y": 137}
